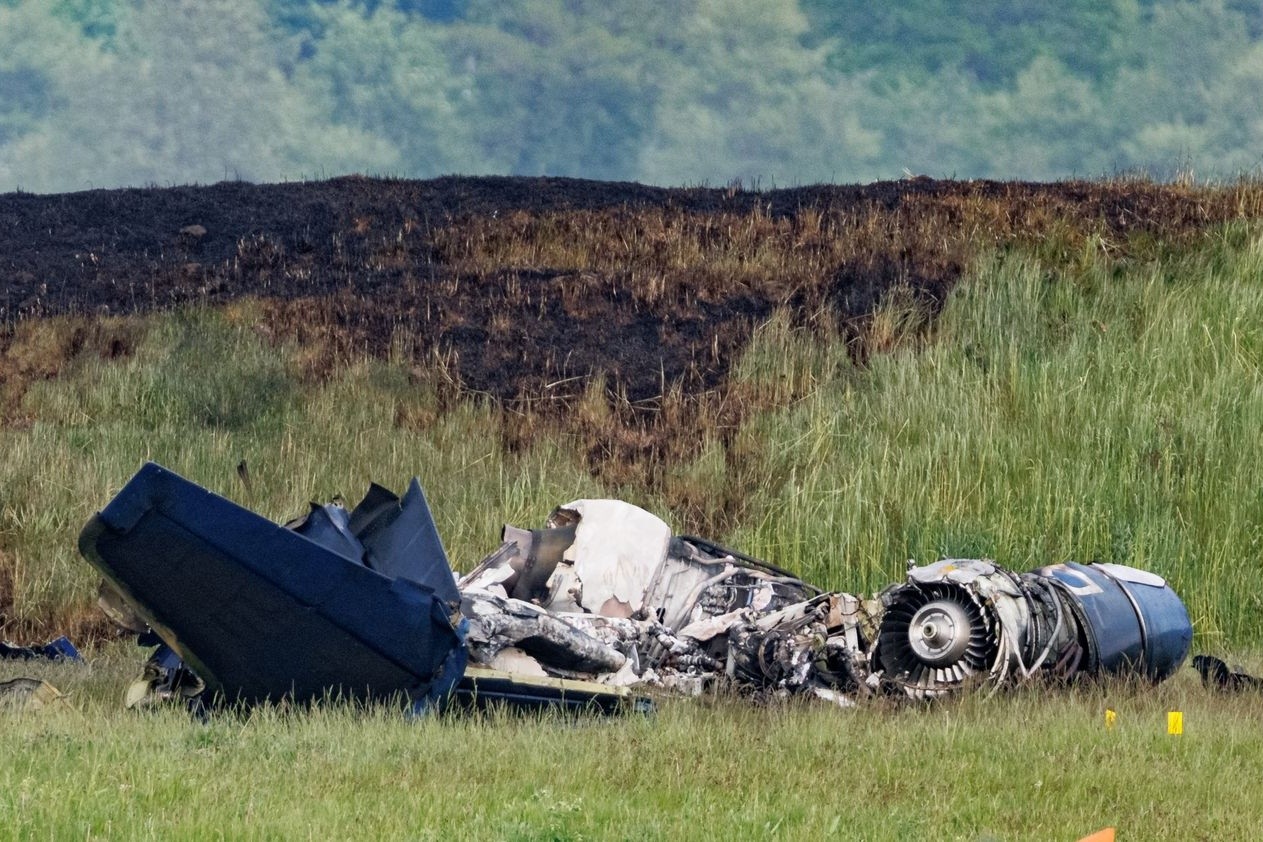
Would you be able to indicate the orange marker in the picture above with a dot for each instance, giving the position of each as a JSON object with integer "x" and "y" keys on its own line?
{"x": 1105, "y": 834}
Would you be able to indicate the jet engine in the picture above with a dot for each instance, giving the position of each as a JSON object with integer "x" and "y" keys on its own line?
{"x": 961, "y": 622}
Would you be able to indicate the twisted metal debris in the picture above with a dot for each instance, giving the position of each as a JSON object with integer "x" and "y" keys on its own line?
{"x": 598, "y": 607}
{"x": 605, "y": 591}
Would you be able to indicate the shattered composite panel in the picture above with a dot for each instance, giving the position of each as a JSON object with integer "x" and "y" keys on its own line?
{"x": 595, "y": 608}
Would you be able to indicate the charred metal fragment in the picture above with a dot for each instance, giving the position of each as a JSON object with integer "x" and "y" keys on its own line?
{"x": 680, "y": 611}
{"x": 496, "y": 623}
{"x": 1216, "y": 675}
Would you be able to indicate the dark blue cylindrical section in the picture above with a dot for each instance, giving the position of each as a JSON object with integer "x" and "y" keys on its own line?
{"x": 1164, "y": 621}
{"x": 1134, "y": 620}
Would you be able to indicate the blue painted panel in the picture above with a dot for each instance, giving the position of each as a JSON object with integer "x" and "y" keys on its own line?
{"x": 262, "y": 612}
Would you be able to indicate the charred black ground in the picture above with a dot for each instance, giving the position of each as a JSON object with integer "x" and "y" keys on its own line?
{"x": 526, "y": 285}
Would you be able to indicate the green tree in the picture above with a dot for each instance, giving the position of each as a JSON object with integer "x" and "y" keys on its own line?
{"x": 745, "y": 100}
{"x": 1188, "y": 95}
{"x": 991, "y": 40}
{"x": 41, "y": 55}
{"x": 385, "y": 74}
{"x": 928, "y": 126}
{"x": 1050, "y": 124}
{"x": 97, "y": 18}
{"x": 191, "y": 91}
{"x": 110, "y": 92}
{"x": 562, "y": 88}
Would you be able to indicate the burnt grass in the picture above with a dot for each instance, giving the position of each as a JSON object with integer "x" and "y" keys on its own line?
{"x": 523, "y": 290}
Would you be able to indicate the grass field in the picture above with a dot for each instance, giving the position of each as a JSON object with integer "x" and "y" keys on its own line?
{"x": 1026, "y": 765}
{"x": 1070, "y": 402}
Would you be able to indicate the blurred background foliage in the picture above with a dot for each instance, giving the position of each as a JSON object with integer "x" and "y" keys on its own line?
{"x": 107, "y": 93}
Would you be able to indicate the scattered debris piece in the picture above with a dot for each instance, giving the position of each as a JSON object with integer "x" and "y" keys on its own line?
{"x": 590, "y": 611}
{"x": 27, "y": 694}
{"x": 165, "y": 677}
{"x": 483, "y": 687}
{"x": 60, "y": 649}
{"x": 1216, "y": 675}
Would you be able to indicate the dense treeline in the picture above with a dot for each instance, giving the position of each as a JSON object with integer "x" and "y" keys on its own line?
{"x": 113, "y": 92}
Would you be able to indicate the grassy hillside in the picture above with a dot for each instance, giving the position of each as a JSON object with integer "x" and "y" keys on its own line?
{"x": 1085, "y": 391}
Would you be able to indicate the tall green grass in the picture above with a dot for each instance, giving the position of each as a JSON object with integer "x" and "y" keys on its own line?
{"x": 201, "y": 394}
{"x": 1060, "y": 407}
{"x": 1095, "y": 411}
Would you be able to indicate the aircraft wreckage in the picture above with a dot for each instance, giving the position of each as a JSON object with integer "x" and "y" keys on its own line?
{"x": 597, "y": 608}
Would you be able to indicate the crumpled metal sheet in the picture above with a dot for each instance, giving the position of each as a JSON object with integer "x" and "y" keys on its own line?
{"x": 615, "y": 550}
